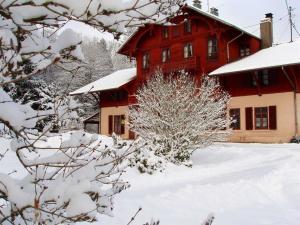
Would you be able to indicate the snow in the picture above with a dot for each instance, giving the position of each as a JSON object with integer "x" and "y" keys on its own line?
{"x": 112, "y": 81}
{"x": 237, "y": 183}
{"x": 280, "y": 55}
{"x": 86, "y": 176}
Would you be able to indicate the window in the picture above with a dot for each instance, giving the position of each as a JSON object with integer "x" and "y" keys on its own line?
{"x": 116, "y": 124}
{"x": 118, "y": 95}
{"x": 236, "y": 117}
{"x": 187, "y": 26}
{"x": 261, "y": 118}
{"x": 165, "y": 32}
{"x": 265, "y": 118}
{"x": 255, "y": 79}
{"x": 261, "y": 78}
{"x": 212, "y": 48}
{"x": 188, "y": 50}
{"x": 244, "y": 50}
{"x": 166, "y": 55}
{"x": 175, "y": 30}
{"x": 146, "y": 60}
{"x": 265, "y": 78}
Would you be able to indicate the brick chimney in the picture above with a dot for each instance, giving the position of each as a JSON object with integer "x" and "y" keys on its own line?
{"x": 266, "y": 31}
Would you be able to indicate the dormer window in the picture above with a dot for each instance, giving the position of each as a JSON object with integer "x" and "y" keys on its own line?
{"x": 244, "y": 50}
{"x": 187, "y": 26}
{"x": 146, "y": 60}
{"x": 188, "y": 50}
{"x": 212, "y": 48}
{"x": 166, "y": 55}
{"x": 165, "y": 32}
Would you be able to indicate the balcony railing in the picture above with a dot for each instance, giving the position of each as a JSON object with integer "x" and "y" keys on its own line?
{"x": 191, "y": 63}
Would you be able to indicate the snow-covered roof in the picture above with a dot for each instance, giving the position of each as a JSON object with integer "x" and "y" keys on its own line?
{"x": 276, "y": 56}
{"x": 200, "y": 11}
{"x": 217, "y": 18}
{"x": 112, "y": 81}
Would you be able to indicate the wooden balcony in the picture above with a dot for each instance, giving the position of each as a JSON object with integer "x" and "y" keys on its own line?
{"x": 192, "y": 63}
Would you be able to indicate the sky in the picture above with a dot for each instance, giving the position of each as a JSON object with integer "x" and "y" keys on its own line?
{"x": 243, "y": 13}
{"x": 248, "y": 13}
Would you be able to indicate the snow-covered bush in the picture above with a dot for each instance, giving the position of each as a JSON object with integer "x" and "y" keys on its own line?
{"x": 145, "y": 160}
{"x": 175, "y": 116}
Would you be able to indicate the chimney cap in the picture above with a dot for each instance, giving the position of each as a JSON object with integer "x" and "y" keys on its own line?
{"x": 214, "y": 11}
{"x": 269, "y": 15}
{"x": 197, "y": 3}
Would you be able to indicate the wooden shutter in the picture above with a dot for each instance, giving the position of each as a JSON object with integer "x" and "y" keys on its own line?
{"x": 272, "y": 118}
{"x": 122, "y": 124}
{"x": 249, "y": 118}
{"x": 110, "y": 124}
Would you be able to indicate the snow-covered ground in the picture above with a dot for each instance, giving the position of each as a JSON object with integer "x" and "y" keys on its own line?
{"x": 242, "y": 184}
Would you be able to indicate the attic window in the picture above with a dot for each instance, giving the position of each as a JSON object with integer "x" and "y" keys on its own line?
{"x": 175, "y": 31}
{"x": 146, "y": 60}
{"x": 212, "y": 48}
{"x": 188, "y": 50}
{"x": 244, "y": 50}
{"x": 165, "y": 32}
{"x": 187, "y": 26}
{"x": 166, "y": 55}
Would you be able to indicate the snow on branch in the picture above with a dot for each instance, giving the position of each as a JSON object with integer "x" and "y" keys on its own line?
{"x": 27, "y": 27}
{"x": 69, "y": 181}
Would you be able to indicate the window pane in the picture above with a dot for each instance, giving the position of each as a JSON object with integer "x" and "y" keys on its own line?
{"x": 261, "y": 118}
{"x": 190, "y": 50}
{"x": 165, "y": 32}
{"x": 146, "y": 57}
{"x": 235, "y": 115}
{"x": 212, "y": 48}
{"x": 265, "y": 77}
{"x": 185, "y": 51}
{"x": 187, "y": 26}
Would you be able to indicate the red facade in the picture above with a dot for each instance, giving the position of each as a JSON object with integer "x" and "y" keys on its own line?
{"x": 214, "y": 44}
{"x": 251, "y": 83}
{"x": 165, "y": 47}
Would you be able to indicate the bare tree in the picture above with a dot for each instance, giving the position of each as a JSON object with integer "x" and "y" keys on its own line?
{"x": 176, "y": 117}
{"x": 69, "y": 177}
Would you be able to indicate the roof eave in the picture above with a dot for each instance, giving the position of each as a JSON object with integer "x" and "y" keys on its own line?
{"x": 221, "y": 21}
{"x": 252, "y": 69}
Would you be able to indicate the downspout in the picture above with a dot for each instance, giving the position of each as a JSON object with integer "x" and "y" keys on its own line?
{"x": 295, "y": 100}
{"x": 228, "y": 43}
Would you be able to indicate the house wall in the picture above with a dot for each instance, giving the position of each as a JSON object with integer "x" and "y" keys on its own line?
{"x": 150, "y": 39}
{"x": 105, "y": 112}
{"x": 240, "y": 84}
{"x": 153, "y": 43}
{"x": 284, "y": 103}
